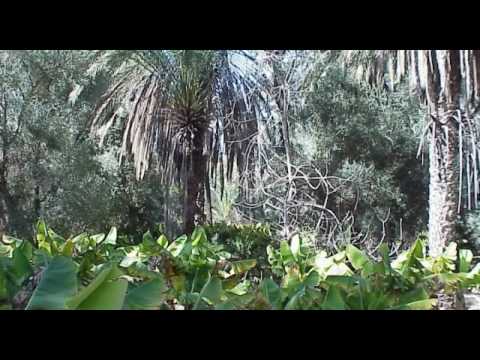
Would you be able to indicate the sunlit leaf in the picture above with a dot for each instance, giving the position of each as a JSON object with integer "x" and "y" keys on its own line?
{"x": 356, "y": 257}
{"x": 111, "y": 237}
{"x": 106, "y": 292}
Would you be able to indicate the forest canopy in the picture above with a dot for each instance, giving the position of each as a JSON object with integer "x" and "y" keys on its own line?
{"x": 239, "y": 179}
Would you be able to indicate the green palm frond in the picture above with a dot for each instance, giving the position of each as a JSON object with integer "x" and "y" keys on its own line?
{"x": 167, "y": 95}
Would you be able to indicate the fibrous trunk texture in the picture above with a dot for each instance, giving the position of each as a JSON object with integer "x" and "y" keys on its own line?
{"x": 194, "y": 213}
{"x": 445, "y": 114}
{"x": 4, "y": 201}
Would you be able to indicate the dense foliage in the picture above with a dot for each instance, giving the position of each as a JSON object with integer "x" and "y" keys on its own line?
{"x": 215, "y": 179}
{"x": 101, "y": 271}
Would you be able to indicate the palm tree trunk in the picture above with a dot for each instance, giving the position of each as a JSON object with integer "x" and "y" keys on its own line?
{"x": 4, "y": 208}
{"x": 194, "y": 202}
{"x": 443, "y": 192}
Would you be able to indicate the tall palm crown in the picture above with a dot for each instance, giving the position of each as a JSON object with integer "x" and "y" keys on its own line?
{"x": 189, "y": 108}
{"x": 448, "y": 82}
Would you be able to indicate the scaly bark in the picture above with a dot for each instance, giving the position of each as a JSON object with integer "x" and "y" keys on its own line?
{"x": 194, "y": 202}
{"x": 443, "y": 190}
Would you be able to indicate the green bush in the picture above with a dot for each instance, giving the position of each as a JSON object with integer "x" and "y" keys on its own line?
{"x": 206, "y": 270}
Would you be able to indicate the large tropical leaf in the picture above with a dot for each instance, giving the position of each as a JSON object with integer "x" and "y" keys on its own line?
{"x": 272, "y": 293}
{"x": 147, "y": 296}
{"x": 242, "y": 266}
{"x": 212, "y": 291}
{"x": 333, "y": 300}
{"x": 106, "y": 292}
{"x": 357, "y": 258}
{"x": 57, "y": 285}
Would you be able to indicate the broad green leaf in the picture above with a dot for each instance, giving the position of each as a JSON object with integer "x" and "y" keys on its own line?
{"x": 42, "y": 229}
{"x": 241, "y": 266}
{"x": 417, "y": 251}
{"x": 384, "y": 252}
{"x": 211, "y": 291}
{"x": 240, "y": 288}
{"x": 238, "y": 301}
{"x": 374, "y": 268}
{"x": 312, "y": 279}
{"x": 178, "y": 282}
{"x": 339, "y": 270}
{"x": 450, "y": 279}
{"x": 27, "y": 249}
{"x": 180, "y": 240}
{"x": 21, "y": 266}
{"x": 3, "y": 286}
{"x": 413, "y": 296}
{"x": 57, "y": 285}
{"x": 346, "y": 282}
{"x": 148, "y": 238}
{"x": 88, "y": 290}
{"x": 286, "y": 253}
{"x": 199, "y": 236}
{"x": 356, "y": 257}
{"x": 149, "y": 295}
{"x": 225, "y": 306}
{"x": 291, "y": 279}
{"x": 294, "y": 302}
{"x": 400, "y": 260}
{"x": 41, "y": 257}
{"x": 53, "y": 236}
{"x": 271, "y": 292}
{"x": 79, "y": 238}
{"x": 162, "y": 241}
{"x": 417, "y": 305}
{"x": 180, "y": 247}
{"x": 201, "y": 277}
{"x": 97, "y": 238}
{"x": 333, "y": 300}
{"x": 67, "y": 248}
{"x": 377, "y": 300}
{"x": 43, "y": 244}
{"x": 106, "y": 292}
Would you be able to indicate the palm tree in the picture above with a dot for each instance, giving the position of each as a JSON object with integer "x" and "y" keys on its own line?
{"x": 188, "y": 110}
{"x": 448, "y": 82}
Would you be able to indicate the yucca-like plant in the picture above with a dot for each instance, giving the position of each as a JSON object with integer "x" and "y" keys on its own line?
{"x": 186, "y": 109}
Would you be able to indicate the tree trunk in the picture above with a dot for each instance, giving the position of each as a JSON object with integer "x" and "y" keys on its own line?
{"x": 4, "y": 197}
{"x": 37, "y": 203}
{"x": 194, "y": 202}
{"x": 4, "y": 218}
{"x": 443, "y": 192}
{"x": 415, "y": 87}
